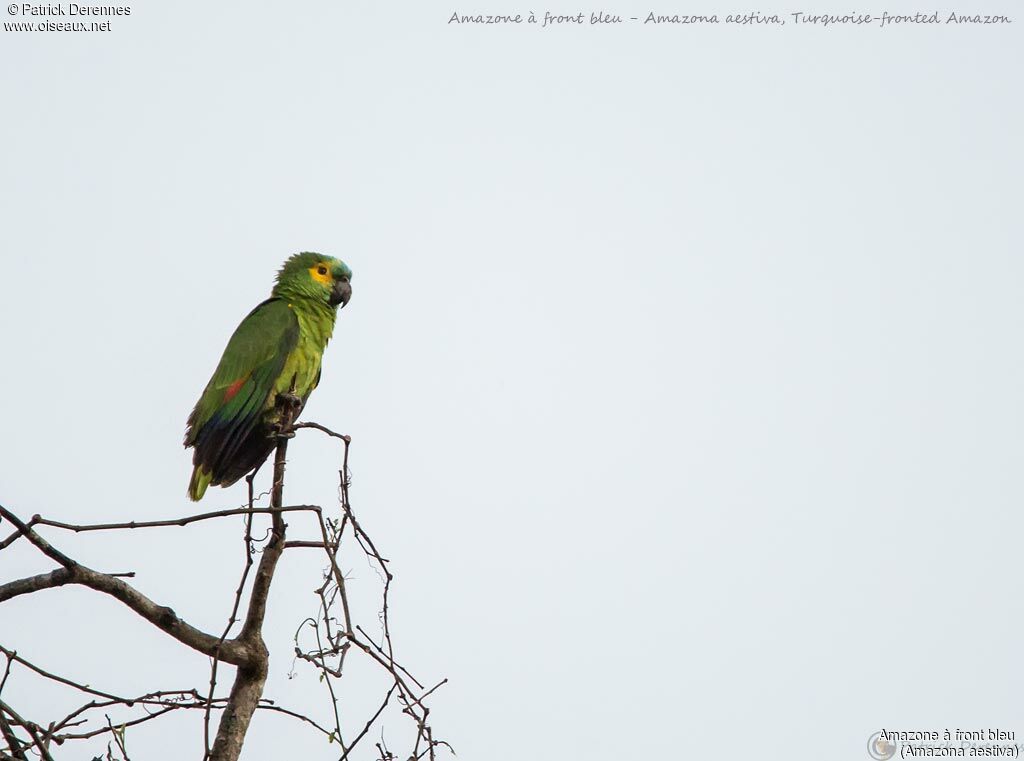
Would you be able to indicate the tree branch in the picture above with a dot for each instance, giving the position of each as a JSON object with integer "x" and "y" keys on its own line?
{"x": 29, "y": 727}
{"x": 25, "y": 586}
{"x": 335, "y": 635}
{"x": 251, "y": 677}
{"x": 184, "y": 521}
{"x": 13, "y": 743}
{"x": 161, "y": 616}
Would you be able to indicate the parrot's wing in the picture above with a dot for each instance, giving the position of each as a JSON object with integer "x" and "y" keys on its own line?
{"x": 234, "y": 399}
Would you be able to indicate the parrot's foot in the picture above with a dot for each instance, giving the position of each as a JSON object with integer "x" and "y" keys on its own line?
{"x": 288, "y": 406}
{"x": 288, "y": 400}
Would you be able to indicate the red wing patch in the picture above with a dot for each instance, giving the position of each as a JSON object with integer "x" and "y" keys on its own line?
{"x": 234, "y": 388}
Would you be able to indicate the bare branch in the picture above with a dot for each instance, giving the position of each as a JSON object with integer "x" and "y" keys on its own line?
{"x": 333, "y": 627}
{"x": 233, "y": 618}
{"x": 13, "y": 743}
{"x": 324, "y": 429}
{"x": 161, "y": 616}
{"x": 184, "y": 521}
{"x": 366, "y": 728}
{"x": 250, "y": 678}
{"x": 13, "y": 657}
{"x": 25, "y": 586}
{"x": 45, "y": 547}
{"x": 30, "y": 727}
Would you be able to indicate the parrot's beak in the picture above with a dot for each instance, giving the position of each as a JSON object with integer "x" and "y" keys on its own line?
{"x": 341, "y": 293}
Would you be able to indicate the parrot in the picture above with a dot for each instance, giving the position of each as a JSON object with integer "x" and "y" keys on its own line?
{"x": 276, "y": 350}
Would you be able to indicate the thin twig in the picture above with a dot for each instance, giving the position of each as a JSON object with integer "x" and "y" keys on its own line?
{"x": 184, "y": 521}
{"x": 387, "y": 699}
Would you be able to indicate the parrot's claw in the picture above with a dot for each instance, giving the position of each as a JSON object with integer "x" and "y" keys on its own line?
{"x": 289, "y": 400}
{"x": 276, "y": 433}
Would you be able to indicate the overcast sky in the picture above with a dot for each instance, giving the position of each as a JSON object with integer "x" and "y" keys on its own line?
{"x": 683, "y": 366}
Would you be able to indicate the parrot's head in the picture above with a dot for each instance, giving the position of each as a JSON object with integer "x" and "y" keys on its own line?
{"x": 314, "y": 276}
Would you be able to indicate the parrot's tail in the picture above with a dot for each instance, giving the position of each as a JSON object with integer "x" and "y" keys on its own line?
{"x": 200, "y": 480}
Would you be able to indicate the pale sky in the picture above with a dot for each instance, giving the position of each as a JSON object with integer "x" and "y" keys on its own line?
{"x": 683, "y": 366}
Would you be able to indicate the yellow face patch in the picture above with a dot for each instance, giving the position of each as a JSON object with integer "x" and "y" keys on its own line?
{"x": 321, "y": 273}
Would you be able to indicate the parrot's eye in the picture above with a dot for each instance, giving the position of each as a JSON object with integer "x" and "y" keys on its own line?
{"x": 321, "y": 270}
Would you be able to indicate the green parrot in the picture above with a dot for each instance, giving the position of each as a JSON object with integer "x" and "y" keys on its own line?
{"x": 276, "y": 349}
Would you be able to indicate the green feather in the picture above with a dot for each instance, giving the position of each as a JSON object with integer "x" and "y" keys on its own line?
{"x": 197, "y": 485}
